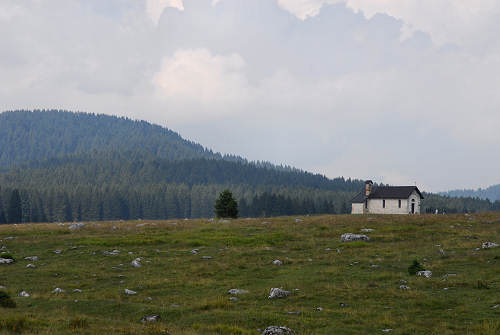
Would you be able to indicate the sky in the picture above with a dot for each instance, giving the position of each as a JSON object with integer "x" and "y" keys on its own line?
{"x": 397, "y": 91}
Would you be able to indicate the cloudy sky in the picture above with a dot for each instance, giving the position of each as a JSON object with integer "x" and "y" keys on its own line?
{"x": 398, "y": 91}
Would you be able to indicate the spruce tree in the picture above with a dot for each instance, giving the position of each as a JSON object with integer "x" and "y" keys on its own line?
{"x": 226, "y": 206}
{"x": 15, "y": 211}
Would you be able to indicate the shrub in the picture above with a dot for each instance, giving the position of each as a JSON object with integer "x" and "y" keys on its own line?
{"x": 482, "y": 285}
{"x": 78, "y": 323}
{"x": 415, "y": 267}
{"x": 6, "y": 301}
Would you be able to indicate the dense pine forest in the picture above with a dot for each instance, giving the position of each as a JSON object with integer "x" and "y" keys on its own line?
{"x": 64, "y": 166}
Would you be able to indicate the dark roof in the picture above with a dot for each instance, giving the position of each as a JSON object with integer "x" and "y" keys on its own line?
{"x": 387, "y": 192}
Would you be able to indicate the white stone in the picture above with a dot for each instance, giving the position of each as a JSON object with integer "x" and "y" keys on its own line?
{"x": 24, "y": 294}
{"x": 130, "y": 292}
{"x": 76, "y": 226}
{"x": 349, "y": 237}
{"x": 195, "y": 251}
{"x": 77, "y": 290}
{"x": 236, "y": 291}
{"x": 150, "y": 318}
{"x": 58, "y": 252}
{"x": 206, "y": 257}
{"x": 136, "y": 263}
{"x": 32, "y": 266}
{"x": 367, "y": 230}
{"x": 404, "y": 287}
{"x": 277, "y": 262}
{"x": 298, "y": 220}
{"x": 58, "y": 290}
{"x": 31, "y": 258}
{"x": 278, "y": 330}
{"x": 487, "y": 245}
{"x": 6, "y": 261}
{"x": 278, "y": 293}
{"x": 426, "y": 273}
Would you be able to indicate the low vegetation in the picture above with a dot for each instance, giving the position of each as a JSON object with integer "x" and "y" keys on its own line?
{"x": 184, "y": 269}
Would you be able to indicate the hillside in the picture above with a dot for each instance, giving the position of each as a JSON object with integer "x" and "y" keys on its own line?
{"x": 28, "y": 136}
{"x": 492, "y": 193}
{"x": 77, "y": 166}
{"x": 336, "y": 288}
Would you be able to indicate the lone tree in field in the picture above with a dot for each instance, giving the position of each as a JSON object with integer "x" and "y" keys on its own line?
{"x": 226, "y": 206}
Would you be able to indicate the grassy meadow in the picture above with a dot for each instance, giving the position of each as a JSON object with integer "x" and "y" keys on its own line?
{"x": 355, "y": 284}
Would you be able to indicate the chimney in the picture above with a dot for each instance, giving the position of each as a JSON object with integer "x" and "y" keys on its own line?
{"x": 368, "y": 187}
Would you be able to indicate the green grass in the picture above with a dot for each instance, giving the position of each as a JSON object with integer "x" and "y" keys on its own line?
{"x": 190, "y": 293}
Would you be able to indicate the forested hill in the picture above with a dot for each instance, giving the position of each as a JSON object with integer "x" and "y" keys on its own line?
{"x": 28, "y": 136}
{"x": 492, "y": 193}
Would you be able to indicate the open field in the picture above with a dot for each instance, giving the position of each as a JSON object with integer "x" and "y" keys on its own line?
{"x": 357, "y": 286}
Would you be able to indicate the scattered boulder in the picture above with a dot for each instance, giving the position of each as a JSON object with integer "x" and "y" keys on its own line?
{"x": 367, "y": 230}
{"x": 277, "y": 262}
{"x": 76, "y": 226}
{"x": 234, "y": 299}
{"x": 404, "y": 287}
{"x": 111, "y": 253}
{"x": 24, "y": 294}
{"x": 319, "y": 309}
{"x": 31, "y": 258}
{"x": 77, "y": 290}
{"x": 58, "y": 290}
{"x": 130, "y": 292}
{"x": 387, "y": 330}
{"x": 426, "y": 273}
{"x": 236, "y": 291}
{"x": 278, "y": 330}
{"x": 206, "y": 257}
{"x": 349, "y": 237}
{"x": 278, "y": 293}
{"x": 487, "y": 245}
{"x": 195, "y": 251}
{"x": 150, "y": 318}
{"x": 31, "y": 266}
{"x": 6, "y": 261}
{"x": 298, "y": 220}
{"x": 136, "y": 263}
{"x": 57, "y": 252}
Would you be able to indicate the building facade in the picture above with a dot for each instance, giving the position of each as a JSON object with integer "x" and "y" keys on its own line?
{"x": 387, "y": 200}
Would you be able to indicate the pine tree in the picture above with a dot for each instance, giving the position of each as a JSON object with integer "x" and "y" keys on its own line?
{"x": 226, "y": 206}
{"x": 15, "y": 211}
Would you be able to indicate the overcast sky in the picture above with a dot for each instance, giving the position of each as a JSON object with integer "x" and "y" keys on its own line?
{"x": 398, "y": 91}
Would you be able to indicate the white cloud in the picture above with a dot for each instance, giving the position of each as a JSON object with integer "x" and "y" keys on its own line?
{"x": 155, "y": 8}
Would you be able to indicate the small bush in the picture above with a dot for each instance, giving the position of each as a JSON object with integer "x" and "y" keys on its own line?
{"x": 14, "y": 325}
{"x": 482, "y": 285}
{"x": 6, "y": 301}
{"x": 78, "y": 323}
{"x": 415, "y": 267}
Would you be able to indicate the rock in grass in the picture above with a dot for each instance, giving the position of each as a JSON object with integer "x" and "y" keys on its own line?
{"x": 76, "y": 226}
{"x": 233, "y": 299}
{"x": 206, "y": 257}
{"x": 6, "y": 261}
{"x": 278, "y": 330}
{"x": 24, "y": 294}
{"x": 487, "y": 245}
{"x": 387, "y": 330}
{"x": 349, "y": 237}
{"x": 58, "y": 290}
{"x": 367, "y": 230}
{"x": 150, "y": 318}
{"x": 426, "y": 273}
{"x": 31, "y": 266}
{"x": 195, "y": 251}
{"x": 236, "y": 291}
{"x": 77, "y": 290}
{"x": 277, "y": 262}
{"x": 136, "y": 263}
{"x": 57, "y": 252}
{"x": 130, "y": 292}
{"x": 6, "y": 301}
{"x": 278, "y": 293}
{"x": 31, "y": 258}
{"x": 404, "y": 287}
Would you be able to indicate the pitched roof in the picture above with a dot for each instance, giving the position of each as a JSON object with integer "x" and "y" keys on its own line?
{"x": 387, "y": 192}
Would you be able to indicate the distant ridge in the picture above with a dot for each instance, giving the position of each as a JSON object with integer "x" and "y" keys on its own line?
{"x": 492, "y": 193}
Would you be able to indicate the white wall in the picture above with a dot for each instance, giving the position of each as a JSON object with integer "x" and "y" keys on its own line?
{"x": 357, "y": 208}
{"x": 375, "y": 206}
